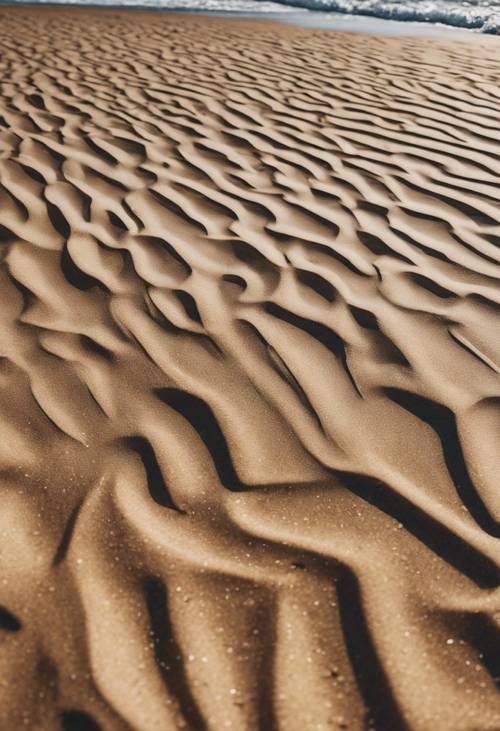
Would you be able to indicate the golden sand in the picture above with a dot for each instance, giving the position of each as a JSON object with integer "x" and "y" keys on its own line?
{"x": 249, "y": 381}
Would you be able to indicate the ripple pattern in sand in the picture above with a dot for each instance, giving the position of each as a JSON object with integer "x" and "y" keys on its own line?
{"x": 249, "y": 377}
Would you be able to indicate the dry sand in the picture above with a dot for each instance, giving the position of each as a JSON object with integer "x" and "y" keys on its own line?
{"x": 249, "y": 379}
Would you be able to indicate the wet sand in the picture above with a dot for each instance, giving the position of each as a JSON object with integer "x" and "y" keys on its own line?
{"x": 249, "y": 376}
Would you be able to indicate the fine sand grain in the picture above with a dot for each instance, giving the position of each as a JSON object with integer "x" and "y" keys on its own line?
{"x": 249, "y": 377}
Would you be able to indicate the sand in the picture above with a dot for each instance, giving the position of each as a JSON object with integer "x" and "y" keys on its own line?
{"x": 249, "y": 377}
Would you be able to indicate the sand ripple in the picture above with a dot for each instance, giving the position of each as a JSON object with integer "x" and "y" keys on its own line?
{"x": 249, "y": 381}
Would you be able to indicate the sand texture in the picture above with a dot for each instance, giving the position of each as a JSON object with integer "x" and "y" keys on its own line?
{"x": 249, "y": 377}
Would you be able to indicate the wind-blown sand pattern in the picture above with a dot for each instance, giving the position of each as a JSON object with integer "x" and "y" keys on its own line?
{"x": 250, "y": 377}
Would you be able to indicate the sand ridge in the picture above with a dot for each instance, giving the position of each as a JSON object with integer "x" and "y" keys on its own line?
{"x": 249, "y": 384}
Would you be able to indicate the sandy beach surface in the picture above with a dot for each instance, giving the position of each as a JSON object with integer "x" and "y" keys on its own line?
{"x": 249, "y": 376}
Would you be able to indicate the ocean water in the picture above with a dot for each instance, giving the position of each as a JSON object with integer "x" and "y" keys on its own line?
{"x": 479, "y": 15}
{"x": 483, "y": 15}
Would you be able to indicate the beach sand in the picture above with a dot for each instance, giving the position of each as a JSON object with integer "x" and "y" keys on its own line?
{"x": 249, "y": 380}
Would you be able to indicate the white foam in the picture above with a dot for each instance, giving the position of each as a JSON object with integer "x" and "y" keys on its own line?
{"x": 482, "y": 15}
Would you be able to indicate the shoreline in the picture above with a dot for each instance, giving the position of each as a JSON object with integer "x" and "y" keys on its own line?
{"x": 305, "y": 18}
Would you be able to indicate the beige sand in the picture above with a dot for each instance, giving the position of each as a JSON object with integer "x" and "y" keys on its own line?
{"x": 249, "y": 380}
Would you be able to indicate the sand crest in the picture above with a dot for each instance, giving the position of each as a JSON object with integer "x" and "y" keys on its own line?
{"x": 249, "y": 377}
